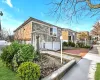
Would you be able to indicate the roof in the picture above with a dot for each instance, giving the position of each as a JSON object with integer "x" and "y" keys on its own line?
{"x": 69, "y": 30}
{"x": 83, "y": 31}
{"x": 33, "y": 19}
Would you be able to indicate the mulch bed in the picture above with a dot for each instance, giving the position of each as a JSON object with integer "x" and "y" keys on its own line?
{"x": 79, "y": 51}
{"x": 49, "y": 64}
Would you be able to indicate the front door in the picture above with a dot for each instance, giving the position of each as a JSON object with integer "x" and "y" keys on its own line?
{"x": 42, "y": 42}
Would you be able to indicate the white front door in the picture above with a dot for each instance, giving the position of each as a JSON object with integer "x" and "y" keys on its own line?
{"x": 42, "y": 42}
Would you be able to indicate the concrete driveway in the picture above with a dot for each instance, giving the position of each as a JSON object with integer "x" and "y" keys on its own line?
{"x": 79, "y": 71}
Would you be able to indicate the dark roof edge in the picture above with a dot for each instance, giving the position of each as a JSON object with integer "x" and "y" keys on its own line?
{"x": 68, "y": 29}
{"x": 30, "y": 19}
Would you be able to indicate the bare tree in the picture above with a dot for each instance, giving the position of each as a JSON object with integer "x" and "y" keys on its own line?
{"x": 96, "y": 29}
{"x": 74, "y": 9}
{"x": 4, "y": 33}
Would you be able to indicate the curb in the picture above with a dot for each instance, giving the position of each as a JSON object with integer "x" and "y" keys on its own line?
{"x": 58, "y": 74}
{"x": 71, "y": 54}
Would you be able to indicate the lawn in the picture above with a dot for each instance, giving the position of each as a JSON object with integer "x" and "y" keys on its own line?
{"x": 6, "y": 73}
{"x": 97, "y": 73}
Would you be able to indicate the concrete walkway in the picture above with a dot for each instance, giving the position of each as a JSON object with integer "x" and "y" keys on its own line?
{"x": 58, "y": 55}
{"x": 94, "y": 54}
{"x": 79, "y": 71}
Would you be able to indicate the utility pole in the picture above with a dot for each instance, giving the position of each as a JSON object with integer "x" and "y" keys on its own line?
{"x": 1, "y": 14}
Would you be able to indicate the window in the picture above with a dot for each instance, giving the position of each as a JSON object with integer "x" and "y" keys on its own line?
{"x": 69, "y": 38}
{"x": 53, "y": 31}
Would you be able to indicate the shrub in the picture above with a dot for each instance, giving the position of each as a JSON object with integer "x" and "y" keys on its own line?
{"x": 72, "y": 44}
{"x": 65, "y": 44}
{"x": 29, "y": 71}
{"x": 36, "y": 56}
{"x": 81, "y": 45}
{"x": 26, "y": 53}
{"x": 69, "y": 43}
{"x": 8, "y": 53}
{"x": 14, "y": 54}
{"x": 87, "y": 46}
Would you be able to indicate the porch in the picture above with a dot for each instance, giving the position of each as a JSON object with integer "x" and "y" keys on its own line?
{"x": 43, "y": 41}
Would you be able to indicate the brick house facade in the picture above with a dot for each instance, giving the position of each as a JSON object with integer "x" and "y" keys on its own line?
{"x": 69, "y": 35}
{"x": 40, "y": 34}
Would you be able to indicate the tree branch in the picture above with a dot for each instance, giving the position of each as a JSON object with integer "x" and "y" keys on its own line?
{"x": 92, "y": 6}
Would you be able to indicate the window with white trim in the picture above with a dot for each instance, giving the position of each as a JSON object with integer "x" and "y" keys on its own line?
{"x": 53, "y": 31}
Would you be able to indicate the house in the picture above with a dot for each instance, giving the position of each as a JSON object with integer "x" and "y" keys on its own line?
{"x": 82, "y": 35}
{"x": 69, "y": 35}
{"x": 40, "y": 34}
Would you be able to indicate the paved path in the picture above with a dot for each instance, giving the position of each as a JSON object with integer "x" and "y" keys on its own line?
{"x": 79, "y": 71}
{"x": 58, "y": 55}
{"x": 94, "y": 54}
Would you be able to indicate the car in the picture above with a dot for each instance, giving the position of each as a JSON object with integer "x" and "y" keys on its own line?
{"x": 3, "y": 42}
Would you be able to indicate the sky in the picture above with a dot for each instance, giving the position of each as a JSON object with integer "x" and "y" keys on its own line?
{"x": 15, "y": 12}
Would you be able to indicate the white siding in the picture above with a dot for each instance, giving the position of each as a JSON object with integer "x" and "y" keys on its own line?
{"x": 65, "y": 40}
{"x": 52, "y": 45}
{"x": 28, "y": 42}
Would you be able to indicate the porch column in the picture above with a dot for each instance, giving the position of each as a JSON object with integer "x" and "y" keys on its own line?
{"x": 37, "y": 37}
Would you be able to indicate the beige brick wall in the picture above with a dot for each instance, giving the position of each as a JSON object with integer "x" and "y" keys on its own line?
{"x": 24, "y": 33}
{"x": 65, "y": 35}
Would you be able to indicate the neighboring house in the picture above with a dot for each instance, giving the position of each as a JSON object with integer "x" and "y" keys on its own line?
{"x": 69, "y": 35}
{"x": 40, "y": 34}
{"x": 82, "y": 35}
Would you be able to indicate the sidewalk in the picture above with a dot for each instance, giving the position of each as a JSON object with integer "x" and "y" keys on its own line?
{"x": 94, "y": 54}
{"x": 58, "y": 55}
{"x": 78, "y": 71}
{"x": 81, "y": 70}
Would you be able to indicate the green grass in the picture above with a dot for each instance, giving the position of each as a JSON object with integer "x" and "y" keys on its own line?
{"x": 6, "y": 73}
{"x": 97, "y": 73}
